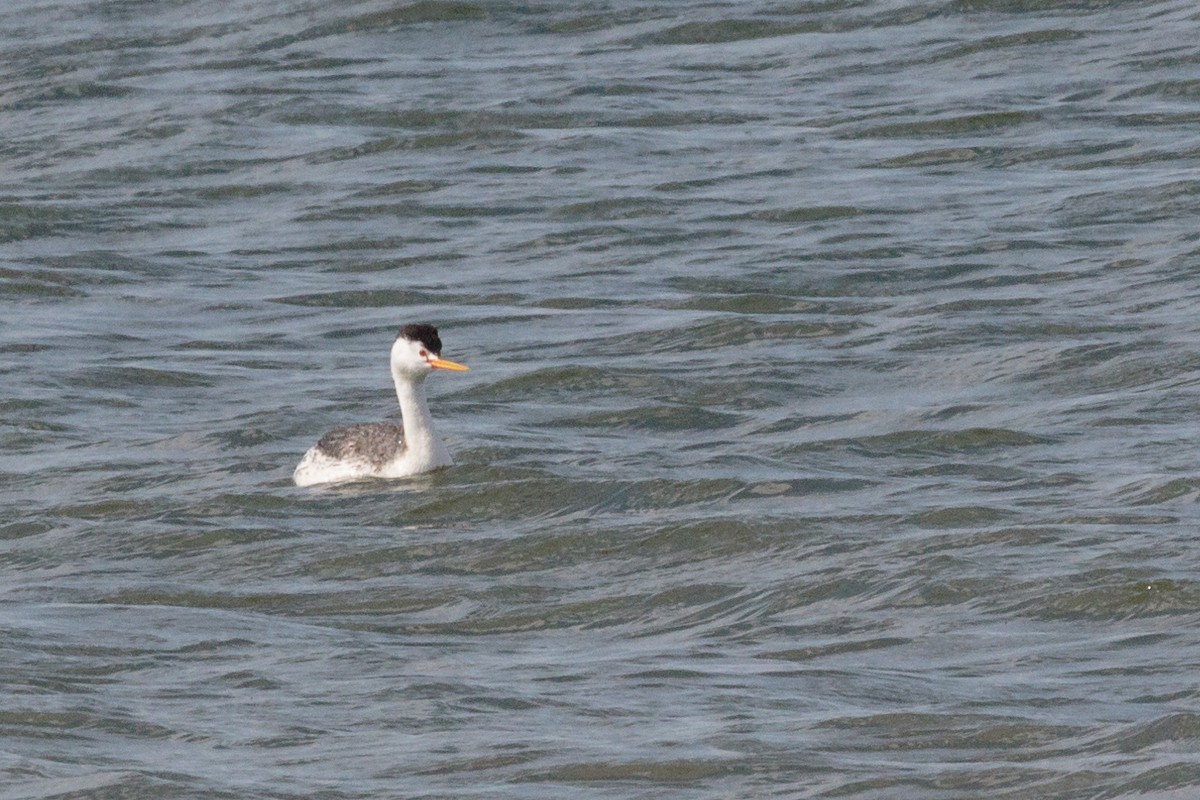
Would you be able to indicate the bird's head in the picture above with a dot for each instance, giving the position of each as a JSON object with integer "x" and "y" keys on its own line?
{"x": 417, "y": 351}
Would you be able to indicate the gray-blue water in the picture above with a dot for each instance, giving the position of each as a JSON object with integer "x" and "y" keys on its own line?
{"x": 831, "y": 430}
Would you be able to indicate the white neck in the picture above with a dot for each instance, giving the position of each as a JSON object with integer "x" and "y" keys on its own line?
{"x": 423, "y": 448}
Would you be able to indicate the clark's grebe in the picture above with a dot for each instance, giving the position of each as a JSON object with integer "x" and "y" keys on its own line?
{"x": 382, "y": 449}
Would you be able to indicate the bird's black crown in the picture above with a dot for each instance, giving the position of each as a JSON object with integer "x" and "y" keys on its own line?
{"x": 424, "y": 333}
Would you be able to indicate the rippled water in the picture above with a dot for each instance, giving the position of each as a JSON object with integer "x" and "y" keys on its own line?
{"x": 830, "y": 432}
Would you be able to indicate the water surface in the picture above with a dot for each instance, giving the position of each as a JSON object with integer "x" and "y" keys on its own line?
{"x": 830, "y": 429}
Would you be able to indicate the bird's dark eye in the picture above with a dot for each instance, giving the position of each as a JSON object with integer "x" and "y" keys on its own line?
{"x": 424, "y": 354}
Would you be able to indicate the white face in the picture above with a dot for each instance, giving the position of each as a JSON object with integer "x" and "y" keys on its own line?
{"x": 412, "y": 358}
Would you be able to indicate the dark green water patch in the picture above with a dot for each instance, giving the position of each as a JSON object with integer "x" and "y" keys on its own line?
{"x": 1024, "y": 39}
{"x": 20, "y": 221}
{"x": 641, "y": 772}
{"x": 35, "y": 284}
{"x": 72, "y": 91}
{"x": 616, "y": 208}
{"x": 725, "y": 30}
{"x": 815, "y": 652}
{"x": 658, "y": 419}
{"x": 798, "y": 214}
{"x": 969, "y": 124}
{"x": 1036, "y": 6}
{"x": 1103, "y": 595}
{"x": 960, "y": 517}
{"x": 932, "y": 442}
{"x": 754, "y": 303}
{"x": 1167, "y": 491}
{"x": 717, "y": 333}
{"x": 388, "y": 298}
{"x": 144, "y": 377}
{"x": 378, "y": 22}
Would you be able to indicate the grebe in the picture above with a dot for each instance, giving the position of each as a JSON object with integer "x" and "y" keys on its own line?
{"x": 383, "y": 449}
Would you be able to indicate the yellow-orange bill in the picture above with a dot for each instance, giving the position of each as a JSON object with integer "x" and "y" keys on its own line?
{"x": 441, "y": 363}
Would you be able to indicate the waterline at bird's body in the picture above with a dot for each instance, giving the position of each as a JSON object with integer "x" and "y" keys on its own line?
{"x": 387, "y": 450}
